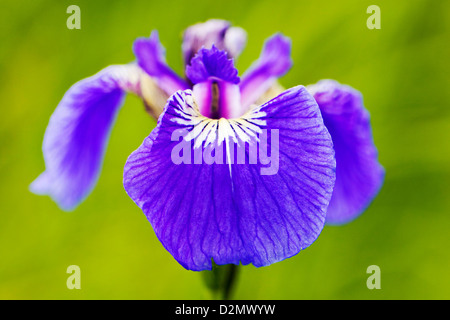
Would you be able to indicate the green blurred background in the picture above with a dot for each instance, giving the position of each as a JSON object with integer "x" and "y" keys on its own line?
{"x": 401, "y": 69}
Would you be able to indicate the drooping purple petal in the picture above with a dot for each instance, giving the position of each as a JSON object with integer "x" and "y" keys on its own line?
{"x": 77, "y": 134}
{"x": 274, "y": 62}
{"x": 235, "y": 209}
{"x": 359, "y": 175}
{"x": 150, "y": 55}
{"x": 212, "y": 63}
{"x": 214, "y": 31}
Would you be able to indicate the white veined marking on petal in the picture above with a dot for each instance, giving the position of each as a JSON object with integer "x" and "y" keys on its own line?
{"x": 208, "y": 131}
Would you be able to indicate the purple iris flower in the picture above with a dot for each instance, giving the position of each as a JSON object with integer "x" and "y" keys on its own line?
{"x": 238, "y": 169}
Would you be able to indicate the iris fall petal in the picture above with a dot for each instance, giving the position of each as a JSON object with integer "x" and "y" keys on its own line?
{"x": 227, "y": 211}
{"x": 78, "y": 131}
{"x": 359, "y": 175}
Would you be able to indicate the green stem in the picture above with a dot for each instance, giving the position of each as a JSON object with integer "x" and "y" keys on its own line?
{"x": 220, "y": 280}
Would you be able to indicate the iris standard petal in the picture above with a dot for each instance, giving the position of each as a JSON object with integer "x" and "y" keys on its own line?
{"x": 77, "y": 134}
{"x": 214, "y": 31}
{"x": 235, "y": 208}
{"x": 274, "y": 61}
{"x": 359, "y": 175}
{"x": 150, "y": 55}
{"x": 235, "y": 41}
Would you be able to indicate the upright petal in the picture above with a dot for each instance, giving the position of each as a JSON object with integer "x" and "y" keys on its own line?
{"x": 359, "y": 175}
{"x": 77, "y": 134}
{"x": 213, "y": 32}
{"x": 234, "y": 41}
{"x": 274, "y": 62}
{"x": 237, "y": 208}
{"x": 150, "y": 55}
